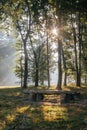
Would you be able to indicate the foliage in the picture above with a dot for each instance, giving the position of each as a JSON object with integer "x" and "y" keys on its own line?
{"x": 32, "y": 18}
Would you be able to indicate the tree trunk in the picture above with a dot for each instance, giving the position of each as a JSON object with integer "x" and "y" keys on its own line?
{"x": 36, "y": 75}
{"x": 24, "y": 40}
{"x": 65, "y": 68}
{"x": 59, "y": 65}
{"x": 58, "y": 13}
{"x": 76, "y": 62}
{"x": 21, "y": 71}
{"x": 48, "y": 72}
{"x": 85, "y": 80}
{"x": 77, "y": 43}
{"x": 76, "y": 57}
{"x": 25, "y": 66}
{"x": 65, "y": 79}
{"x": 80, "y": 47}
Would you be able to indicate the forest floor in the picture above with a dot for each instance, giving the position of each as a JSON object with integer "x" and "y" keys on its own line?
{"x": 17, "y": 113}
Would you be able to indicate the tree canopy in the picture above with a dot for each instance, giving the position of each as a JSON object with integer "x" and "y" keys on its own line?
{"x": 34, "y": 21}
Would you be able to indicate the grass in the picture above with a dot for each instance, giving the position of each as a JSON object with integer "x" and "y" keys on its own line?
{"x": 16, "y": 113}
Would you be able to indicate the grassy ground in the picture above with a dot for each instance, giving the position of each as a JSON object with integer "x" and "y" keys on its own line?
{"x": 16, "y": 113}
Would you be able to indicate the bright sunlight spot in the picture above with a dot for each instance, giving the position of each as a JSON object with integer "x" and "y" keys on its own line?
{"x": 54, "y": 31}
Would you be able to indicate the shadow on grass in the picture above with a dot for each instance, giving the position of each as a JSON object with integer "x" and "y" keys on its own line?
{"x": 34, "y": 118}
{"x": 74, "y": 88}
{"x": 82, "y": 90}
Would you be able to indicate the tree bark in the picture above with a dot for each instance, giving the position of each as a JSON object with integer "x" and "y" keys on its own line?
{"x": 65, "y": 69}
{"x": 85, "y": 81}
{"x": 65, "y": 79}
{"x": 25, "y": 66}
{"x": 48, "y": 72}
{"x": 59, "y": 65}
{"x": 59, "y": 17}
{"x": 80, "y": 55}
{"x": 36, "y": 75}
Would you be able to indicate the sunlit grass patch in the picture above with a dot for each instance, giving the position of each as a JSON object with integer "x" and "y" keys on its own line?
{"x": 22, "y": 109}
{"x": 52, "y": 113}
{"x": 10, "y": 117}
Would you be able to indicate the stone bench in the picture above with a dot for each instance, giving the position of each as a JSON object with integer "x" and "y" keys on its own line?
{"x": 38, "y": 95}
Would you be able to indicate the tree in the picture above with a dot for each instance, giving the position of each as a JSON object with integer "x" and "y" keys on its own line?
{"x": 21, "y": 16}
{"x": 77, "y": 36}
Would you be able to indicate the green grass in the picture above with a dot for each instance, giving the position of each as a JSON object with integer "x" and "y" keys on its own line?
{"x": 16, "y": 113}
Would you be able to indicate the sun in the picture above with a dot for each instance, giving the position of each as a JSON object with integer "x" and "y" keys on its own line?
{"x": 54, "y": 31}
